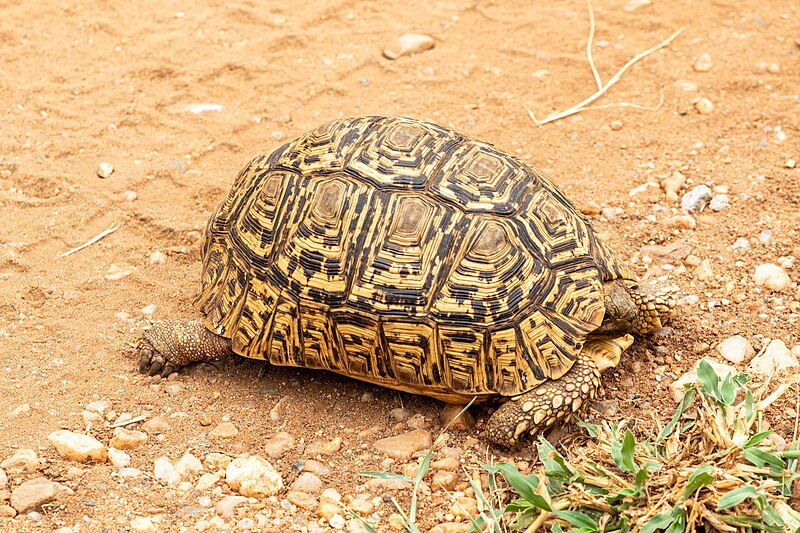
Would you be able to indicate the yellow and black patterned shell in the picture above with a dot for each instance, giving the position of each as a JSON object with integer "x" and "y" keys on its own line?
{"x": 402, "y": 253}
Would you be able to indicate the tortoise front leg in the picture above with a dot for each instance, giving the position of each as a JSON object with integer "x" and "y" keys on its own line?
{"x": 171, "y": 344}
{"x": 555, "y": 400}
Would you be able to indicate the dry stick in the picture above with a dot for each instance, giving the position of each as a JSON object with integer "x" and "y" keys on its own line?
{"x": 589, "y": 46}
{"x": 114, "y": 227}
{"x": 577, "y": 108}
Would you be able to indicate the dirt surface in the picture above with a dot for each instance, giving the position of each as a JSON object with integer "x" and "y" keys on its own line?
{"x": 88, "y": 82}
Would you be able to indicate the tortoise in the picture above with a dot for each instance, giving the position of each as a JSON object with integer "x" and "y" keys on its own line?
{"x": 404, "y": 254}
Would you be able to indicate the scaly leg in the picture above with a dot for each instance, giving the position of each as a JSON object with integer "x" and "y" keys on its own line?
{"x": 171, "y": 344}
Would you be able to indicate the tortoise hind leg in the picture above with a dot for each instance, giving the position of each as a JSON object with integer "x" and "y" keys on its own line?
{"x": 555, "y": 400}
{"x": 171, "y": 344}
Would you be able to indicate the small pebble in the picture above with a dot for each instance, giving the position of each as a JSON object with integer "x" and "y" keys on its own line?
{"x": 616, "y": 125}
{"x": 225, "y": 507}
{"x": 462, "y": 423}
{"x": 32, "y": 494}
{"x": 224, "y": 430}
{"x": 188, "y": 465}
{"x": 302, "y": 499}
{"x": 323, "y": 448}
{"x": 165, "y": 472}
{"x": 407, "y": 44}
{"x": 719, "y": 202}
{"x": 117, "y": 272}
{"x": 790, "y": 163}
{"x": 402, "y": 447}
{"x": 104, "y": 169}
{"x": 591, "y": 208}
{"x": 771, "y": 276}
{"x": 703, "y": 63}
{"x": 130, "y": 196}
{"x": 118, "y": 458}
{"x": 278, "y": 444}
{"x": 741, "y": 244}
{"x": 23, "y": 461}
{"x": 763, "y": 66}
{"x": 736, "y": 349}
{"x": 157, "y": 258}
{"x": 696, "y": 199}
{"x": 77, "y": 446}
{"x": 686, "y": 86}
{"x": 775, "y": 359}
{"x": 307, "y": 482}
{"x": 703, "y": 270}
{"x": 253, "y": 477}
{"x": 680, "y": 222}
{"x": 672, "y": 185}
{"x": 704, "y": 106}
{"x": 765, "y": 236}
{"x": 157, "y": 424}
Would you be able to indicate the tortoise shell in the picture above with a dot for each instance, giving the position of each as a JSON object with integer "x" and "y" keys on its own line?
{"x": 402, "y": 253}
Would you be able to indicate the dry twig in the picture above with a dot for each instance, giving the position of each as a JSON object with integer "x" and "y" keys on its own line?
{"x": 114, "y": 227}
{"x": 601, "y": 87}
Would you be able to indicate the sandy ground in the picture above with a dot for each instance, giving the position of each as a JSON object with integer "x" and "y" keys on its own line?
{"x": 88, "y": 82}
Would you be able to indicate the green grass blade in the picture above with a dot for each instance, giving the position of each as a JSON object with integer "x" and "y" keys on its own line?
{"x": 697, "y": 480}
{"x": 686, "y": 403}
{"x": 364, "y": 523}
{"x": 659, "y": 521}
{"x": 737, "y": 496}
{"x": 578, "y": 520}
{"x": 387, "y": 475}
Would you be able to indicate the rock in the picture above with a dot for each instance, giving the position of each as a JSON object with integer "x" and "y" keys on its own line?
{"x": 224, "y": 430}
{"x": 680, "y": 222}
{"x": 217, "y": 461}
{"x": 703, "y": 63}
{"x": 104, "y": 170}
{"x": 164, "y": 472}
{"x": 407, "y": 44}
{"x": 307, "y": 482}
{"x": 696, "y": 199}
{"x": 101, "y": 407}
{"x": 703, "y": 270}
{"x": 765, "y": 236}
{"x": 361, "y": 504}
{"x": 253, "y": 476}
{"x": 117, "y": 272}
{"x": 130, "y": 472}
{"x": 126, "y": 439}
{"x": 704, "y": 106}
{"x": 188, "y": 466}
{"x": 118, "y": 458}
{"x": 323, "y": 448}
{"x": 444, "y": 480}
{"x": 403, "y": 446}
{"x": 446, "y": 463}
{"x": 449, "y": 413}
{"x": 771, "y": 276}
{"x": 148, "y": 310}
{"x": 616, "y": 125}
{"x": 336, "y": 521}
{"x": 22, "y": 462}
{"x": 206, "y": 481}
{"x": 157, "y": 424}
{"x": 32, "y": 494}
{"x": 591, "y": 208}
{"x": 22, "y": 409}
{"x": 776, "y": 358}
{"x": 302, "y": 499}
{"x": 672, "y": 252}
{"x": 330, "y": 495}
{"x": 451, "y": 527}
{"x": 278, "y": 444}
{"x": 464, "y": 507}
{"x": 7, "y": 511}
{"x": 736, "y": 349}
{"x": 741, "y": 244}
{"x": 130, "y": 196}
{"x": 676, "y": 387}
{"x": 3, "y": 480}
{"x": 315, "y": 467}
{"x": 77, "y": 446}
{"x": 226, "y": 505}
{"x": 157, "y": 258}
{"x": 378, "y": 484}
{"x": 719, "y": 202}
{"x": 143, "y": 523}
{"x": 672, "y": 185}
{"x": 692, "y": 260}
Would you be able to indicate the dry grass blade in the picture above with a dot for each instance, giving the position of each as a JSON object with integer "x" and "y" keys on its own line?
{"x": 602, "y": 88}
{"x": 114, "y": 227}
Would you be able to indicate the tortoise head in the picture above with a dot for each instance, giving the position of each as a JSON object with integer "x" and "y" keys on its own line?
{"x": 636, "y": 307}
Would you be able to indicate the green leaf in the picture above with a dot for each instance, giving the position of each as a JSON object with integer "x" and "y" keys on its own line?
{"x": 659, "y": 521}
{"x": 758, "y": 437}
{"x": 708, "y": 379}
{"x": 728, "y": 390}
{"x": 592, "y": 429}
{"x": 623, "y": 452}
{"x": 686, "y": 403}
{"x": 737, "y": 496}
{"x": 749, "y": 404}
{"x": 556, "y": 528}
{"x": 364, "y": 523}
{"x": 678, "y": 521}
{"x": 697, "y": 480}
{"x": 760, "y": 458}
{"x": 524, "y": 485}
{"x": 387, "y": 475}
{"x": 577, "y": 519}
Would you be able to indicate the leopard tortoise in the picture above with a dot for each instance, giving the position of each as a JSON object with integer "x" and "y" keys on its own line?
{"x": 404, "y": 254}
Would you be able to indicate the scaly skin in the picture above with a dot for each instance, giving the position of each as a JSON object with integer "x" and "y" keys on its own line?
{"x": 171, "y": 344}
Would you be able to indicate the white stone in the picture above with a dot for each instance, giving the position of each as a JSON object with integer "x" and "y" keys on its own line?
{"x": 188, "y": 465}
{"x": 676, "y": 387}
{"x": 3, "y": 479}
{"x": 125, "y": 439}
{"x": 207, "y": 480}
{"x": 157, "y": 258}
{"x": 227, "y": 504}
{"x": 164, "y": 471}
{"x": 771, "y": 276}
{"x": 118, "y": 458}
{"x": 696, "y": 199}
{"x": 776, "y": 358}
{"x": 704, "y": 106}
{"x": 77, "y": 446}
{"x": 703, "y": 63}
{"x": 101, "y": 407}
{"x": 253, "y": 476}
{"x": 143, "y": 523}
{"x": 736, "y": 349}
{"x": 104, "y": 170}
{"x": 408, "y": 43}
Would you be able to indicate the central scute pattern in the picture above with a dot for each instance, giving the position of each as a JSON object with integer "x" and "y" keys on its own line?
{"x": 404, "y": 254}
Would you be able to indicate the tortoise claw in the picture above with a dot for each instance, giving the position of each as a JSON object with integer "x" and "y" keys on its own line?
{"x": 167, "y": 370}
